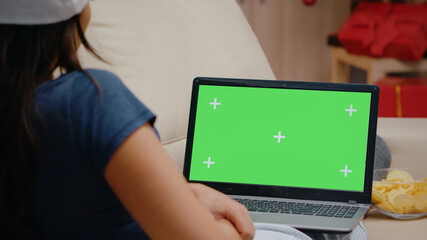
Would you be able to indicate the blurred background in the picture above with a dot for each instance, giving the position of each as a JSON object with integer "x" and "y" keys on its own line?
{"x": 294, "y": 36}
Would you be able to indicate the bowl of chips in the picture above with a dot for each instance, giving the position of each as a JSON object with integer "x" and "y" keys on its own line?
{"x": 400, "y": 193}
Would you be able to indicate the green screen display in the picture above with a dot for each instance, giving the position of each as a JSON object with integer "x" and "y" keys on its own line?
{"x": 281, "y": 137}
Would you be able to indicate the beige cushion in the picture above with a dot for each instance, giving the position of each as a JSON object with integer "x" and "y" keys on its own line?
{"x": 158, "y": 47}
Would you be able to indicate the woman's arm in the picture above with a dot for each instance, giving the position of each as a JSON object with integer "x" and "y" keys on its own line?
{"x": 158, "y": 197}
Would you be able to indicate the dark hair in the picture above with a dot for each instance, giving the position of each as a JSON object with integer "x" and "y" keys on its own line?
{"x": 29, "y": 54}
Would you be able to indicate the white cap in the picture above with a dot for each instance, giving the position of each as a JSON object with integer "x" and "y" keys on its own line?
{"x": 32, "y": 12}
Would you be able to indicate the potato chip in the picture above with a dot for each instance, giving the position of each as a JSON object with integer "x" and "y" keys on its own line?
{"x": 377, "y": 197}
{"x": 383, "y": 186}
{"x": 411, "y": 188}
{"x": 411, "y": 210}
{"x": 418, "y": 192}
{"x": 421, "y": 202}
{"x": 393, "y": 193}
{"x": 424, "y": 183}
{"x": 386, "y": 207}
{"x": 400, "y": 174}
{"x": 395, "y": 180}
{"x": 395, "y": 209}
{"x": 403, "y": 201}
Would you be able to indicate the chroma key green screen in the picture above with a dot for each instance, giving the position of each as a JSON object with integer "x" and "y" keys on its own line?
{"x": 281, "y": 137}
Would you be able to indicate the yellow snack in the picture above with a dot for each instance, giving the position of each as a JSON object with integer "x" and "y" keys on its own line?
{"x": 395, "y": 209}
{"x": 386, "y": 207}
{"x": 395, "y": 180}
{"x": 399, "y": 193}
{"x": 393, "y": 193}
{"x": 412, "y": 187}
{"x": 418, "y": 192}
{"x": 403, "y": 201}
{"x": 421, "y": 202}
{"x": 424, "y": 183}
{"x": 411, "y": 210}
{"x": 377, "y": 197}
{"x": 383, "y": 187}
{"x": 400, "y": 174}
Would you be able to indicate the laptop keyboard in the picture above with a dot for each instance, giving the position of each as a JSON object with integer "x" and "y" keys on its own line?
{"x": 325, "y": 210}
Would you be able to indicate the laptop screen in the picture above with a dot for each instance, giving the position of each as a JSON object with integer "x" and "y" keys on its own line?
{"x": 290, "y": 137}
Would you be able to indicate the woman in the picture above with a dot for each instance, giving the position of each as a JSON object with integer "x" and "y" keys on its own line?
{"x": 79, "y": 155}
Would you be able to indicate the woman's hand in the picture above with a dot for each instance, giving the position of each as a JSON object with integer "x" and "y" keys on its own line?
{"x": 223, "y": 207}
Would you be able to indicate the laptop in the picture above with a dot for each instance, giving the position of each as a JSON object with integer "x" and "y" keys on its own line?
{"x": 294, "y": 153}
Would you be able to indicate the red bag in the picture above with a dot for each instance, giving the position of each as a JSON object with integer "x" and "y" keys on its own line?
{"x": 360, "y": 31}
{"x": 386, "y": 30}
{"x": 410, "y": 21}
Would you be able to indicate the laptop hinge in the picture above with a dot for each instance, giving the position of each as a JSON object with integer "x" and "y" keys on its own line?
{"x": 352, "y": 202}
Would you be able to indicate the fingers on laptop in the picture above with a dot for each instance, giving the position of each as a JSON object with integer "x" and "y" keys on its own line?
{"x": 239, "y": 216}
{"x": 223, "y": 207}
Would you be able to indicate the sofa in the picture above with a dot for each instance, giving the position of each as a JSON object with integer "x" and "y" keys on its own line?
{"x": 158, "y": 47}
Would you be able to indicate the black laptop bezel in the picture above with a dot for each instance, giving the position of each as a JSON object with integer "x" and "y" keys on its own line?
{"x": 290, "y": 192}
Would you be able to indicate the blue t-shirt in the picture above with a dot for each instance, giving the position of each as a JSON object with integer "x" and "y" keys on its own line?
{"x": 79, "y": 127}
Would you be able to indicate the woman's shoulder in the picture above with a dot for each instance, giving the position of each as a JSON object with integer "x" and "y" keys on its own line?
{"x": 79, "y": 83}
{"x": 101, "y": 76}
{"x": 86, "y": 79}
{"x": 90, "y": 77}
{"x": 85, "y": 89}
{"x": 95, "y": 81}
